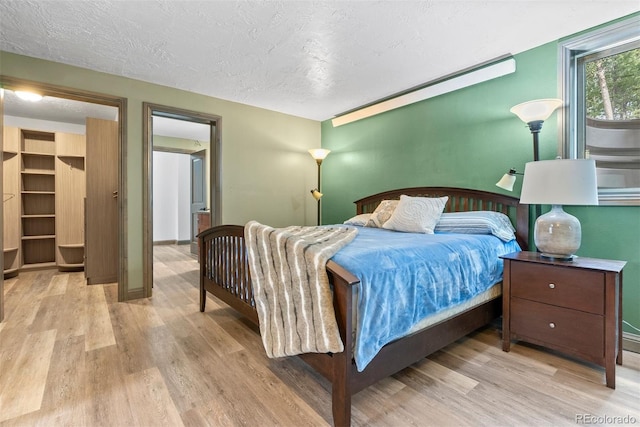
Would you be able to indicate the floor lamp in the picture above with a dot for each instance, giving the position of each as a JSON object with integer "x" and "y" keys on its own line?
{"x": 319, "y": 154}
{"x": 533, "y": 113}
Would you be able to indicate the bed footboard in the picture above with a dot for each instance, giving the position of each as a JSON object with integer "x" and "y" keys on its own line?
{"x": 224, "y": 272}
{"x": 224, "y": 269}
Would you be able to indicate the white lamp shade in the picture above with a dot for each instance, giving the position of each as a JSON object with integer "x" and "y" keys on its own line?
{"x": 319, "y": 153}
{"x": 560, "y": 182}
{"x": 532, "y": 111}
{"x": 316, "y": 194}
{"x": 507, "y": 181}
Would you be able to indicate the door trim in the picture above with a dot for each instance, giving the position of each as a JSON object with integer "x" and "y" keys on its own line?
{"x": 193, "y": 222}
{"x": 46, "y": 89}
{"x": 2, "y": 205}
{"x": 215, "y": 128}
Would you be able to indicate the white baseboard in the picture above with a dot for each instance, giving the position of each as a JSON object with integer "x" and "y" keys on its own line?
{"x": 171, "y": 242}
{"x": 631, "y": 342}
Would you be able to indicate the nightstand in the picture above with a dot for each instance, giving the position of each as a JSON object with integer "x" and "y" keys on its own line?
{"x": 574, "y": 307}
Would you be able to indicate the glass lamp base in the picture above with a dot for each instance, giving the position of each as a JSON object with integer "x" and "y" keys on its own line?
{"x": 557, "y": 234}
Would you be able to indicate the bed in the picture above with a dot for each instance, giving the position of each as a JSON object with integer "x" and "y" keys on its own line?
{"x": 224, "y": 272}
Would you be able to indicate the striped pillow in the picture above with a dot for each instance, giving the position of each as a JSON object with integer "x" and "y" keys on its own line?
{"x": 359, "y": 220}
{"x": 477, "y": 222}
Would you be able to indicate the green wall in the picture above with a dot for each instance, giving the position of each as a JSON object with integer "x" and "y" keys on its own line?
{"x": 468, "y": 138}
{"x": 266, "y": 170}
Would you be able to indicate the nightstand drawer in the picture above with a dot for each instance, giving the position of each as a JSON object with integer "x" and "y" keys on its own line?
{"x": 575, "y": 331}
{"x": 564, "y": 287}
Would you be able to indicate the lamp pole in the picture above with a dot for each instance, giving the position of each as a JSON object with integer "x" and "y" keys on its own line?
{"x": 319, "y": 162}
{"x": 535, "y": 127}
{"x": 319, "y": 154}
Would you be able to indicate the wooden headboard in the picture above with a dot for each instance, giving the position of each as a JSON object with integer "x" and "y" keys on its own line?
{"x": 461, "y": 200}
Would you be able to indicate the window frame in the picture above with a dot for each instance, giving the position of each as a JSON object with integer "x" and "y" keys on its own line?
{"x": 573, "y": 116}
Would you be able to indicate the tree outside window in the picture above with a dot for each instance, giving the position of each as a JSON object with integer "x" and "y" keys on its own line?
{"x": 600, "y": 82}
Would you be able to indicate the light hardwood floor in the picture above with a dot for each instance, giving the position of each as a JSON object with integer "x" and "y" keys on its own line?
{"x": 71, "y": 355}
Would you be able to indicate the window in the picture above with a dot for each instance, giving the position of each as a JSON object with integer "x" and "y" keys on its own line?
{"x": 600, "y": 84}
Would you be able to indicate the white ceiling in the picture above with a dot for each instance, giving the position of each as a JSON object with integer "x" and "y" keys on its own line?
{"x": 313, "y": 59}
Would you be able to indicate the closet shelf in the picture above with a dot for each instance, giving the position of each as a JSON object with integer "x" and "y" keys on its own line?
{"x": 38, "y": 192}
{"x": 39, "y": 216}
{"x": 72, "y": 246}
{"x": 9, "y": 271}
{"x": 71, "y": 156}
{"x": 40, "y": 237}
{"x": 8, "y": 250}
{"x": 79, "y": 265}
{"x": 38, "y": 266}
{"x": 38, "y": 172}
{"x": 37, "y": 153}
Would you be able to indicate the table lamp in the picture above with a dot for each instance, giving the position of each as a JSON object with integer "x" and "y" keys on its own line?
{"x": 559, "y": 182}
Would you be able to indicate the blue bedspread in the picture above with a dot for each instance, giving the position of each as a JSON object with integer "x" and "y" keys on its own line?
{"x": 406, "y": 277}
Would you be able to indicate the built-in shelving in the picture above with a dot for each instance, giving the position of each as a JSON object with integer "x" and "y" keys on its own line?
{"x": 10, "y": 255}
{"x": 70, "y": 194}
{"x": 44, "y": 189}
{"x": 72, "y": 256}
{"x": 38, "y": 193}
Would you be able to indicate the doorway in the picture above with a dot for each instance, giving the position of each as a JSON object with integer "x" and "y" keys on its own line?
{"x": 201, "y": 198}
{"x": 68, "y": 95}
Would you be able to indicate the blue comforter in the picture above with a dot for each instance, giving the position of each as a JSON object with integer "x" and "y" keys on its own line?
{"x": 405, "y": 277}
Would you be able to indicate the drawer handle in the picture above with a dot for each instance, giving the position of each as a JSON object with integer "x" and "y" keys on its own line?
{"x": 552, "y": 286}
{"x": 552, "y": 325}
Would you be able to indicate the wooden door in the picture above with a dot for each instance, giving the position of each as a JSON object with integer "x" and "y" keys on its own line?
{"x": 1, "y": 206}
{"x": 101, "y": 204}
{"x": 198, "y": 193}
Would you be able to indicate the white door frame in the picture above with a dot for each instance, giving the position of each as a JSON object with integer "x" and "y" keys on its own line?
{"x": 14, "y": 83}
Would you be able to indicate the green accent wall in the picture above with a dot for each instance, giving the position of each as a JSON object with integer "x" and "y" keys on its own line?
{"x": 468, "y": 138}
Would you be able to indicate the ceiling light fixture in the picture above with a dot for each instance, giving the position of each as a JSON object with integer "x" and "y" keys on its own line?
{"x": 28, "y": 96}
{"x": 480, "y": 73}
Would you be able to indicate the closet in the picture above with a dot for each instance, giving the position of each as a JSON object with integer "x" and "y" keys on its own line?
{"x": 70, "y": 194}
{"x": 44, "y": 198}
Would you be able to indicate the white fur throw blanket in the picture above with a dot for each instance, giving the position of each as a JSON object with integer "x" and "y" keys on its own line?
{"x": 291, "y": 286}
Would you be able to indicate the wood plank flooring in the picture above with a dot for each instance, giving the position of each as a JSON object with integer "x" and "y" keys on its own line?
{"x": 71, "y": 355}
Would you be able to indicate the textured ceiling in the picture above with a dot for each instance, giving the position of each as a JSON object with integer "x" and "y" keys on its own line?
{"x": 309, "y": 59}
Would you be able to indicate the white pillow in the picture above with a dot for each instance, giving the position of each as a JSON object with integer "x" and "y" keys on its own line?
{"x": 359, "y": 220}
{"x": 416, "y": 214}
{"x": 382, "y": 213}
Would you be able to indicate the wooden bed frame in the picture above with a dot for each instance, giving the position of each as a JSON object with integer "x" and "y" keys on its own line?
{"x": 224, "y": 272}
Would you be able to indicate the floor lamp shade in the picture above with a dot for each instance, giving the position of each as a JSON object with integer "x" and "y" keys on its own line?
{"x": 538, "y": 110}
{"x": 559, "y": 182}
